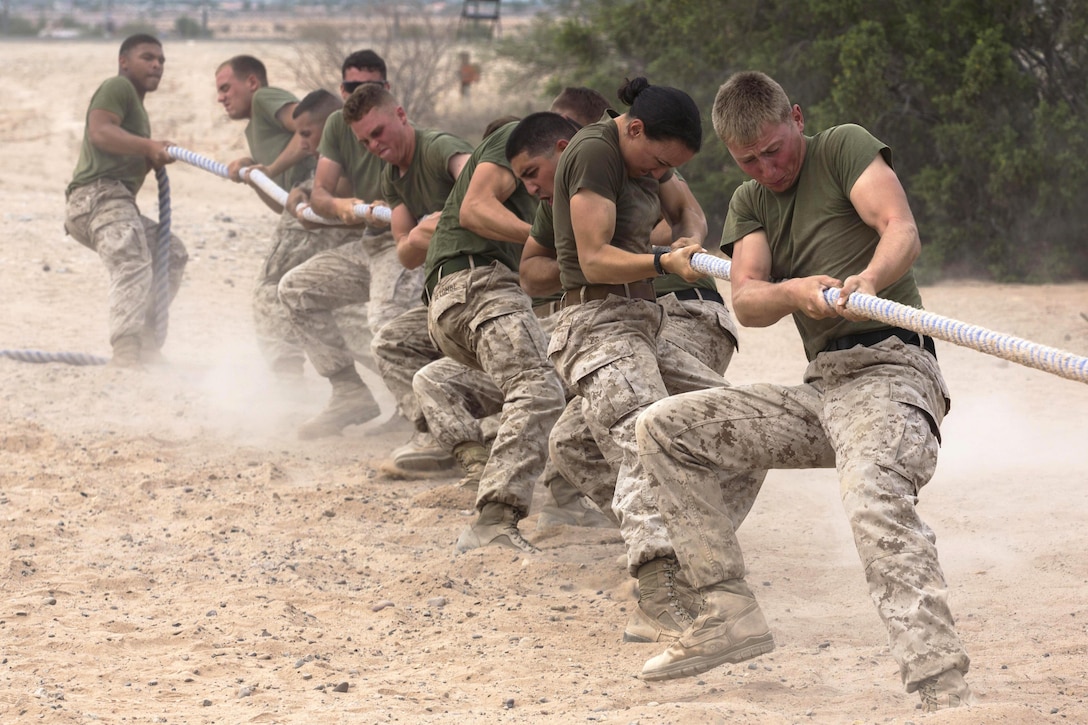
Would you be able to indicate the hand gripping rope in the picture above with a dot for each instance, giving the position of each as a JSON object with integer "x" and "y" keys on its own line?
{"x": 269, "y": 187}
{"x": 160, "y": 292}
{"x": 1014, "y": 349}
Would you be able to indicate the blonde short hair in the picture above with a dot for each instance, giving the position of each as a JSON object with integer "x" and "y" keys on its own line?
{"x": 744, "y": 103}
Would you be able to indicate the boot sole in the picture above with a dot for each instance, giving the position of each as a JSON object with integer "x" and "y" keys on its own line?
{"x": 697, "y": 665}
{"x": 663, "y": 636}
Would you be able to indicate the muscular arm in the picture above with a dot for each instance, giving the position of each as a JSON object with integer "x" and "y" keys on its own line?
{"x": 593, "y": 218}
{"x": 683, "y": 211}
{"x": 105, "y": 132}
{"x": 455, "y": 164}
{"x": 482, "y": 209}
{"x": 539, "y": 269}
{"x": 758, "y": 302}
{"x": 293, "y": 152}
{"x": 328, "y": 198}
{"x": 880, "y": 201}
{"x": 412, "y": 238}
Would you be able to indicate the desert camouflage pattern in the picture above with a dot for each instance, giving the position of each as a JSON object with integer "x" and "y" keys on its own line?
{"x": 292, "y": 244}
{"x": 103, "y": 216}
{"x": 607, "y": 351}
{"x": 873, "y": 414}
{"x": 366, "y": 270}
{"x": 481, "y": 318}
{"x": 402, "y": 348}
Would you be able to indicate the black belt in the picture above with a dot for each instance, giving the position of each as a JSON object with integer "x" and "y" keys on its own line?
{"x": 453, "y": 266}
{"x": 868, "y": 339}
{"x": 698, "y": 293}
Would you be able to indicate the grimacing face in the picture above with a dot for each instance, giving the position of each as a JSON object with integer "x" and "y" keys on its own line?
{"x": 774, "y": 158}
{"x": 143, "y": 66}
{"x": 384, "y": 131}
{"x": 234, "y": 93}
{"x": 537, "y": 173}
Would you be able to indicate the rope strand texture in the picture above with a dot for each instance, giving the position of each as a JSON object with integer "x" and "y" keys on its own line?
{"x": 1014, "y": 349}
{"x": 269, "y": 187}
{"x": 160, "y": 262}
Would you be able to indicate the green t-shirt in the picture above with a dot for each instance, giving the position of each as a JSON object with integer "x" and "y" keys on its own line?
{"x": 452, "y": 240}
{"x": 593, "y": 162}
{"x": 424, "y": 187}
{"x": 364, "y": 169}
{"x": 267, "y": 137}
{"x": 543, "y": 232}
{"x": 118, "y": 96}
{"x": 813, "y": 228}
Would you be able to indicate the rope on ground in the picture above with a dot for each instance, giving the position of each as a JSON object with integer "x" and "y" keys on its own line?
{"x": 160, "y": 292}
{"x": 40, "y": 356}
{"x": 269, "y": 187}
{"x": 1030, "y": 354}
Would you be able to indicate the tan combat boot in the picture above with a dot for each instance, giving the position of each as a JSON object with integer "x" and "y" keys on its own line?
{"x": 570, "y": 507}
{"x": 473, "y": 457}
{"x": 497, "y": 525}
{"x": 730, "y": 628}
{"x": 945, "y": 690}
{"x": 351, "y": 404}
{"x": 665, "y": 603}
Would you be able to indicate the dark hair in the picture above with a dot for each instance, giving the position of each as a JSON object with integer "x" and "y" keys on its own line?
{"x": 537, "y": 133}
{"x": 244, "y": 66}
{"x": 364, "y": 60}
{"x": 320, "y": 103}
{"x": 365, "y": 99}
{"x": 665, "y": 112}
{"x": 139, "y": 39}
{"x": 581, "y": 104}
{"x": 498, "y": 123}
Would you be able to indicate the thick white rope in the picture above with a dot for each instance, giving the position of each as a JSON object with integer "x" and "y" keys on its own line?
{"x": 1007, "y": 347}
{"x": 271, "y": 188}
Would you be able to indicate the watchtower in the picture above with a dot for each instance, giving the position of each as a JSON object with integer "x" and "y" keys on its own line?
{"x": 479, "y": 18}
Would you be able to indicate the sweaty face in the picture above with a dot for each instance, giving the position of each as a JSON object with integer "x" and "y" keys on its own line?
{"x": 309, "y": 132}
{"x": 644, "y": 156}
{"x": 385, "y": 133}
{"x": 775, "y": 157}
{"x": 143, "y": 65}
{"x": 235, "y": 94}
{"x": 537, "y": 173}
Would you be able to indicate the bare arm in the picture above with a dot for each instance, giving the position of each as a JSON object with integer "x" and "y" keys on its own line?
{"x": 881, "y": 203}
{"x": 482, "y": 209}
{"x": 105, "y": 132}
{"x": 456, "y": 163}
{"x": 539, "y": 269}
{"x": 594, "y": 220}
{"x": 329, "y": 198}
{"x": 683, "y": 211}
{"x": 758, "y": 302}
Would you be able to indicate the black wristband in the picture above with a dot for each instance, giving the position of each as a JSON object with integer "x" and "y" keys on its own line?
{"x": 657, "y": 261}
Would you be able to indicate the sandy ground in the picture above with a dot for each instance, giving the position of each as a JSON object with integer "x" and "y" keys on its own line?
{"x": 174, "y": 554}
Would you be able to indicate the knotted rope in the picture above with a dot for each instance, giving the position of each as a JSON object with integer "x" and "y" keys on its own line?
{"x": 1006, "y": 347}
{"x": 271, "y": 188}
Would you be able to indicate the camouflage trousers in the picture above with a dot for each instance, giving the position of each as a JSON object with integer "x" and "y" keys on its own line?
{"x": 482, "y": 318}
{"x": 103, "y": 216}
{"x": 362, "y": 271}
{"x": 696, "y": 344}
{"x": 612, "y": 354}
{"x": 454, "y": 397}
{"x": 292, "y": 245}
{"x": 872, "y": 413}
{"x": 402, "y": 348}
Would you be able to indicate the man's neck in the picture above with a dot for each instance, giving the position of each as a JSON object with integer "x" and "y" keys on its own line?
{"x": 410, "y": 154}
